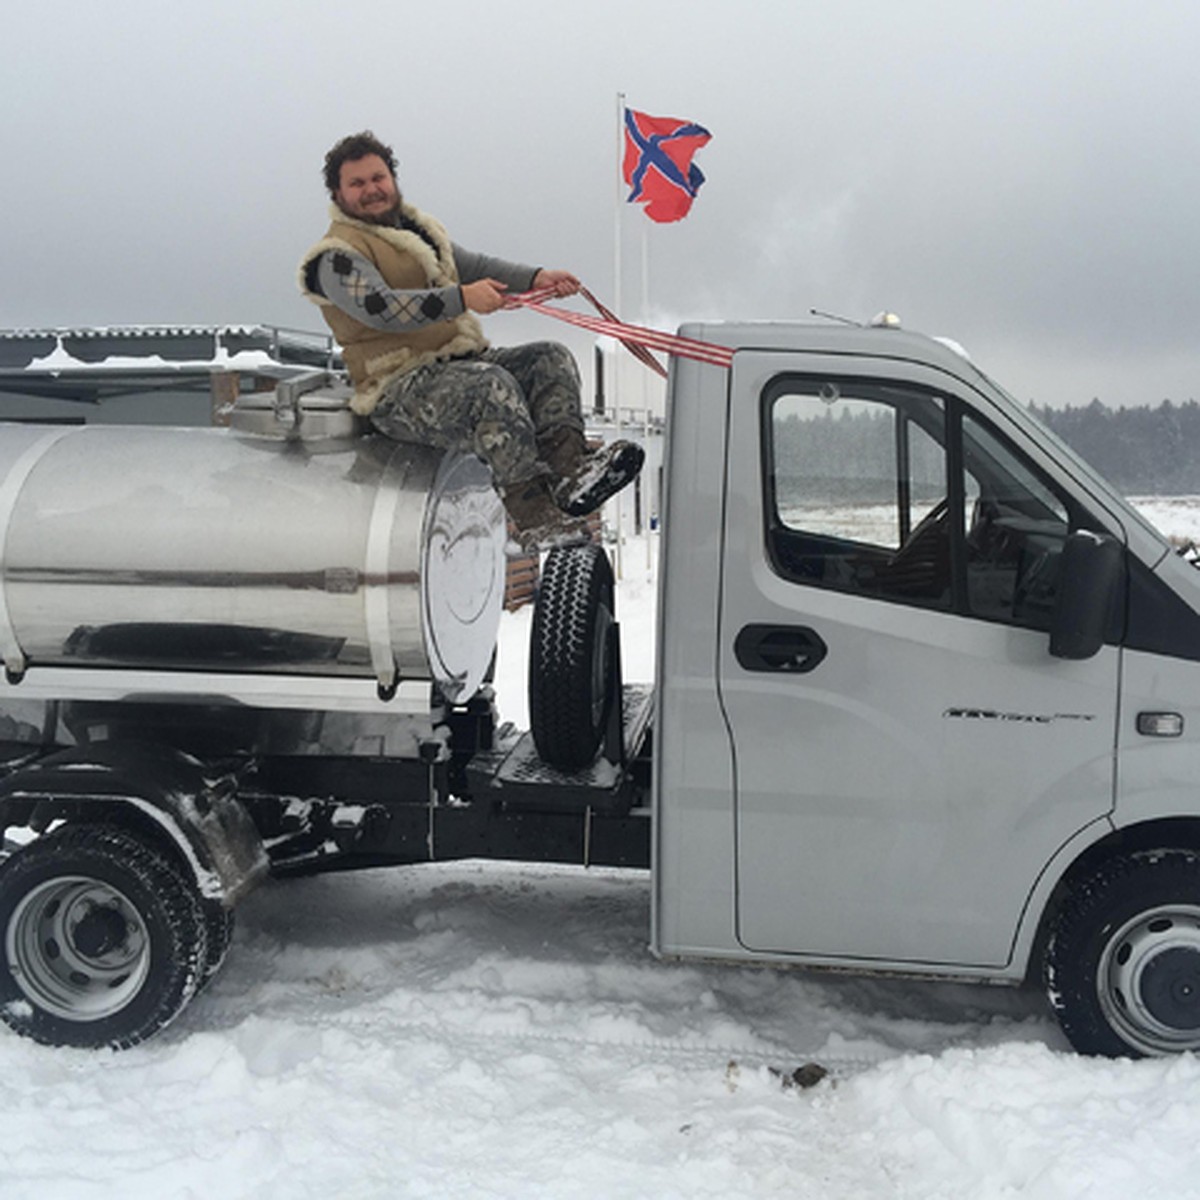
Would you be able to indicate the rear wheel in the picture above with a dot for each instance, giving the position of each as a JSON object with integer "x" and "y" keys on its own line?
{"x": 1123, "y": 965}
{"x": 218, "y": 928}
{"x": 102, "y": 939}
{"x": 571, "y": 656}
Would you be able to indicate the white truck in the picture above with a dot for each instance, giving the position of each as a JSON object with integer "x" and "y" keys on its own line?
{"x": 927, "y": 692}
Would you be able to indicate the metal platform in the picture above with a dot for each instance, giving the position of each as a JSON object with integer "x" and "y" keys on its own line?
{"x": 517, "y": 778}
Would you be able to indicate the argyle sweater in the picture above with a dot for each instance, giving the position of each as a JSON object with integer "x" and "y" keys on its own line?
{"x": 392, "y": 296}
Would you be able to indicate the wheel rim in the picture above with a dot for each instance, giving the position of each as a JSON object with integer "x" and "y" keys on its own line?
{"x": 1148, "y": 980}
{"x": 78, "y": 948}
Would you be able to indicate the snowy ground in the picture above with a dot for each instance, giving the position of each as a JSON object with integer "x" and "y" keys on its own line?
{"x": 1176, "y": 516}
{"x": 484, "y": 1030}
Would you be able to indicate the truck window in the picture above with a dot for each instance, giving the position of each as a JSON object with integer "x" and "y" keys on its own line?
{"x": 886, "y": 490}
{"x": 1016, "y": 526}
{"x": 859, "y": 492}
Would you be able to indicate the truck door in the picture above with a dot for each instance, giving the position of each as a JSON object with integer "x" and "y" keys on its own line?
{"x": 908, "y": 755}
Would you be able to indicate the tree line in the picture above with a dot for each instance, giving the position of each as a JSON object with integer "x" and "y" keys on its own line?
{"x": 1141, "y": 451}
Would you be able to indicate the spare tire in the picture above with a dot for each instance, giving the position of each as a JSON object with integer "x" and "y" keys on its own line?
{"x": 572, "y": 656}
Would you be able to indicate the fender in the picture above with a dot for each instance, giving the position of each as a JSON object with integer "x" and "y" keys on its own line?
{"x": 199, "y": 815}
{"x": 1037, "y": 906}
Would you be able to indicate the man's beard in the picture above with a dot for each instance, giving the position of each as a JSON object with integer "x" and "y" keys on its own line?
{"x": 389, "y": 216}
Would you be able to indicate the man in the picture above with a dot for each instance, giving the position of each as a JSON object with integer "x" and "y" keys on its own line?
{"x": 400, "y": 298}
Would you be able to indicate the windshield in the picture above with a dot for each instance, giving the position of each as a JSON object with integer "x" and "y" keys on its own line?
{"x": 1082, "y": 467}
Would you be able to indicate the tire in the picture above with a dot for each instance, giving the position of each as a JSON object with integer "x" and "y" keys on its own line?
{"x": 218, "y": 929}
{"x": 571, "y": 656}
{"x": 103, "y": 941}
{"x": 1123, "y": 962}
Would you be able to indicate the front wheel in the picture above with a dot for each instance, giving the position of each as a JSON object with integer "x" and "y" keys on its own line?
{"x": 102, "y": 939}
{"x": 1123, "y": 964}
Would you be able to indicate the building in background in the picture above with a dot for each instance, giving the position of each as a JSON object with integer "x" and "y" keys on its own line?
{"x": 148, "y": 374}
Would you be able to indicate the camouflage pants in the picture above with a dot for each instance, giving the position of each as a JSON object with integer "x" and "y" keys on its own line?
{"x": 501, "y": 404}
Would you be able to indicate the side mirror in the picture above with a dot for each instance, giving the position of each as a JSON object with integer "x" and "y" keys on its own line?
{"x": 1089, "y": 576}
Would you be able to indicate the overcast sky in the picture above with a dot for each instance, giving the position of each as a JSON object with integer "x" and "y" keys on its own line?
{"x": 1023, "y": 177}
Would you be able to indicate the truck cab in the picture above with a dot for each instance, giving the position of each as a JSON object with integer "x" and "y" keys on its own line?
{"x": 925, "y": 683}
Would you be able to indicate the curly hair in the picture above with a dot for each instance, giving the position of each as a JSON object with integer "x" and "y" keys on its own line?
{"x": 351, "y": 149}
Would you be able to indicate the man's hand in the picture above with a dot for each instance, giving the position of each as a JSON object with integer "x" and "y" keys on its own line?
{"x": 563, "y": 282}
{"x": 484, "y": 295}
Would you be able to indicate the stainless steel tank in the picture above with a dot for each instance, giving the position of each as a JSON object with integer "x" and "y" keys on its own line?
{"x": 298, "y": 548}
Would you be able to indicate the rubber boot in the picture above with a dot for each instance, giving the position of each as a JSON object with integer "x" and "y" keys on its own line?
{"x": 540, "y": 523}
{"x": 585, "y": 478}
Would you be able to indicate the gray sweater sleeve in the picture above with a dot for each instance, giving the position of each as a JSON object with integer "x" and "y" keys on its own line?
{"x": 472, "y": 266}
{"x": 353, "y": 283}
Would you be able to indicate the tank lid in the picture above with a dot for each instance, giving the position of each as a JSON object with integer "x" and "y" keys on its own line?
{"x": 308, "y": 407}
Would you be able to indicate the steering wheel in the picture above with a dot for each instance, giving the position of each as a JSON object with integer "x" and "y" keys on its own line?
{"x": 926, "y": 534}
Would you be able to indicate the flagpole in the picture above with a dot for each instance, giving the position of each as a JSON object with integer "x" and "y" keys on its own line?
{"x": 647, "y": 383}
{"x": 616, "y": 371}
{"x": 618, "y": 183}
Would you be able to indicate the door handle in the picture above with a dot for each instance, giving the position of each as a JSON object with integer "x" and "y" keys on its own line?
{"x": 792, "y": 649}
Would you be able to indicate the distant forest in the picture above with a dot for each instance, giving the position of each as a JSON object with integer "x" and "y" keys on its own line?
{"x": 1141, "y": 451}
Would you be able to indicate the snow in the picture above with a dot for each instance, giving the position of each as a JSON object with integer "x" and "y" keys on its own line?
{"x": 60, "y": 359}
{"x": 483, "y": 1030}
{"x": 1177, "y": 517}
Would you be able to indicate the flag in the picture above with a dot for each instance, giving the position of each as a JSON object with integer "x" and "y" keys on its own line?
{"x": 658, "y": 164}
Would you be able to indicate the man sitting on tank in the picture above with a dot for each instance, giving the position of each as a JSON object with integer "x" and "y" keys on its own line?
{"x": 400, "y": 296}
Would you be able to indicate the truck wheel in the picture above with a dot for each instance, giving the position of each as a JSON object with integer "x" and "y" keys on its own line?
{"x": 102, "y": 939}
{"x": 570, "y": 656}
{"x": 1123, "y": 964}
{"x": 218, "y": 930}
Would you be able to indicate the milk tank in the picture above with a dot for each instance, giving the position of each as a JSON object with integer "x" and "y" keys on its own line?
{"x": 292, "y": 543}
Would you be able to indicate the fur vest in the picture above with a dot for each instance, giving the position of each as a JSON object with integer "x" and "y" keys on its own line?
{"x": 406, "y": 261}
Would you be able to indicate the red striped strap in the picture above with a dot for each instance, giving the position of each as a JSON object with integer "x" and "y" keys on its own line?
{"x": 635, "y": 348}
{"x": 635, "y": 338}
